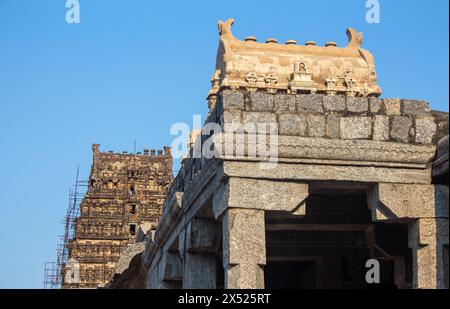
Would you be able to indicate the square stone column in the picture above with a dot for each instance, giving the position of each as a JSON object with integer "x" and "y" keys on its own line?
{"x": 200, "y": 271}
{"x": 244, "y": 248}
{"x": 199, "y": 244}
{"x": 427, "y": 205}
{"x": 427, "y": 239}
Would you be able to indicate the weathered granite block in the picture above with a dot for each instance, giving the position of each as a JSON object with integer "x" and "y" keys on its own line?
{"x": 355, "y": 127}
{"x": 334, "y": 103}
{"x": 400, "y": 128}
{"x": 381, "y": 128}
{"x": 171, "y": 266}
{"x": 259, "y": 117}
{"x": 316, "y": 125}
{"x": 202, "y": 235}
{"x": 244, "y": 248}
{"x": 292, "y": 124}
{"x": 285, "y": 103}
{"x": 392, "y": 106}
{"x": 310, "y": 103}
{"x": 332, "y": 126}
{"x": 376, "y": 105}
{"x": 357, "y": 105}
{"x": 231, "y": 116}
{"x": 261, "y": 102}
{"x": 410, "y": 200}
{"x": 232, "y": 99}
{"x": 415, "y": 107}
{"x": 200, "y": 271}
{"x": 425, "y": 130}
{"x": 266, "y": 195}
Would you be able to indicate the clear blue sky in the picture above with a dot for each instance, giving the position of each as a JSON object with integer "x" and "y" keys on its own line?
{"x": 131, "y": 69}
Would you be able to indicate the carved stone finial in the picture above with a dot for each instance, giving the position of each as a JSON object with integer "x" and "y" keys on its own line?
{"x": 250, "y": 39}
{"x": 225, "y": 27}
{"x": 354, "y": 38}
{"x": 271, "y": 40}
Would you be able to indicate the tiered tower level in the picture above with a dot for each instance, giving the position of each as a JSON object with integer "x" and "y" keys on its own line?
{"x": 124, "y": 191}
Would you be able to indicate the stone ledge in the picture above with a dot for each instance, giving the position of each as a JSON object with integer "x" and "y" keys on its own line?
{"x": 321, "y": 148}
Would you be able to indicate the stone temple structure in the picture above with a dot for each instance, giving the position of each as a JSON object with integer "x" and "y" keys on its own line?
{"x": 125, "y": 195}
{"x": 344, "y": 177}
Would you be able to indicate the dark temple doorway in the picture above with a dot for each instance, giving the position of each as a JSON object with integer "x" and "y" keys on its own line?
{"x": 328, "y": 247}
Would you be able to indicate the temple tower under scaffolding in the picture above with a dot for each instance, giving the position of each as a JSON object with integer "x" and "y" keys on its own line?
{"x": 124, "y": 191}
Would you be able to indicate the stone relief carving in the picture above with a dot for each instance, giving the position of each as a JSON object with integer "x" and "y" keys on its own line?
{"x": 251, "y": 77}
{"x": 292, "y": 68}
{"x": 271, "y": 79}
{"x": 301, "y": 79}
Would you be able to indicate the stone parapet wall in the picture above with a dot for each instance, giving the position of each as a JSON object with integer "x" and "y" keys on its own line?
{"x": 333, "y": 117}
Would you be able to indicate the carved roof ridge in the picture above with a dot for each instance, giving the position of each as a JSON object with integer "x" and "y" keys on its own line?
{"x": 354, "y": 39}
{"x": 291, "y": 68}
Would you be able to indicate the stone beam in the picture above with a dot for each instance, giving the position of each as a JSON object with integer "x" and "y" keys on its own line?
{"x": 333, "y": 171}
{"x": 398, "y": 201}
{"x": 260, "y": 194}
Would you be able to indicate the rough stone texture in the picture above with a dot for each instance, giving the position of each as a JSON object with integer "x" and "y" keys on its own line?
{"x": 392, "y": 106}
{"x": 355, "y": 127}
{"x": 261, "y": 102}
{"x": 409, "y": 201}
{"x": 440, "y": 164}
{"x": 292, "y": 124}
{"x": 415, "y": 107}
{"x": 259, "y": 117}
{"x": 400, "y": 128}
{"x": 311, "y": 103}
{"x": 171, "y": 267}
{"x": 357, "y": 105}
{"x": 350, "y": 150}
{"x": 144, "y": 230}
{"x": 427, "y": 237}
{"x": 332, "y": 126}
{"x": 425, "y": 130}
{"x": 316, "y": 125}
{"x": 200, "y": 271}
{"x": 381, "y": 128}
{"x": 231, "y": 116}
{"x": 334, "y": 103}
{"x": 244, "y": 248}
{"x": 202, "y": 235}
{"x": 232, "y": 99}
{"x": 129, "y": 269}
{"x": 375, "y": 105}
{"x": 285, "y": 103}
{"x": 266, "y": 194}
{"x": 130, "y": 252}
{"x": 442, "y": 122}
{"x": 321, "y": 172}
{"x": 230, "y": 119}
